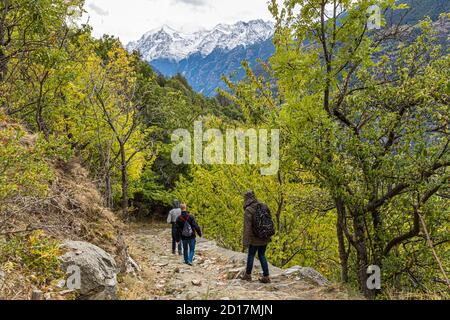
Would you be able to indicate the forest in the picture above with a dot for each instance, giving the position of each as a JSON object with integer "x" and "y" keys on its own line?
{"x": 364, "y": 136}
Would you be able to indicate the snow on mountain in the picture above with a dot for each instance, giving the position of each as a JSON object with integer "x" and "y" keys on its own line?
{"x": 168, "y": 43}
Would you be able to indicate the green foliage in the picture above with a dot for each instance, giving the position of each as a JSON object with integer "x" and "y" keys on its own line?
{"x": 370, "y": 122}
{"x": 305, "y": 227}
{"x": 364, "y": 145}
{"x": 36, "y": 254}
{"x": 23, "y": 169}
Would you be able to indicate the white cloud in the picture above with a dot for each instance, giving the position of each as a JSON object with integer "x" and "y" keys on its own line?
{"x": 96, "y": 9}
{"x": 130, "y": 19}
{"x": 192, "y": 2}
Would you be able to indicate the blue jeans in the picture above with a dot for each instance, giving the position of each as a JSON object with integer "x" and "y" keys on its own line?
{"x": 262, "y": 258}
{"x": 189, "y": 250}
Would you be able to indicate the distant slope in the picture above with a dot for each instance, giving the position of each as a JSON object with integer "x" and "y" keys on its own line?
{"x": 419, "y": 9}
{"x": 204, "y": 73}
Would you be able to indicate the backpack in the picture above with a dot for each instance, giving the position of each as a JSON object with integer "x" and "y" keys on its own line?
{"x": 187, "y": 229}
{"x": 263, "y": 226}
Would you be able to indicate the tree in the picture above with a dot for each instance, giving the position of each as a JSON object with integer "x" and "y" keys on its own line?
{"x": 366, "y": 112}
{"x": 113, "y": 96}
{"x": 369, "y": 121}
{"x": 28, "y": 25}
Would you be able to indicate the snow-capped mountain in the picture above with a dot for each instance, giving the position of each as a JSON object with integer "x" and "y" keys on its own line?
{"x": 168, "y": 43}
{"x": 205, "y": 56}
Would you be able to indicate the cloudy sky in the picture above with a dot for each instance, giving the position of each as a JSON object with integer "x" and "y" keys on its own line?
{"x": 130, "y": 19}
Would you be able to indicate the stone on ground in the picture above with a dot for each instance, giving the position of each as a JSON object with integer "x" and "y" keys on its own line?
{"x": 98, "y": 270}
{"x": 308, "y": 274}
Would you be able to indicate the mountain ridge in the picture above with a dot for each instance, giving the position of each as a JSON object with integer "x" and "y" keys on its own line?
{"x": 203, "y": 63}
{"x": 168, "y": 43}
{"x": 204, "y": 73}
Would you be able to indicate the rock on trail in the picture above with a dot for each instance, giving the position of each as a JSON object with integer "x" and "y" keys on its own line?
{"x": 215, "y": 274}
{"x": 98, "y": 270}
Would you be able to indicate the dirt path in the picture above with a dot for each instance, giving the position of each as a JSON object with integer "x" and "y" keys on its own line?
{"x": 215, "y": 274}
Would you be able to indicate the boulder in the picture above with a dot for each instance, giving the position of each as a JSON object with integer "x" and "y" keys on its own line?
{"x": 98, "y": 270}
{"x": 308, "y": 274}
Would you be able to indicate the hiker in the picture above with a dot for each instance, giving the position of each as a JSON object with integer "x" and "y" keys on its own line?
{"x": 258, "y": 230}
{"x": 172, "y": 219}
{"x": 187, "y": 228}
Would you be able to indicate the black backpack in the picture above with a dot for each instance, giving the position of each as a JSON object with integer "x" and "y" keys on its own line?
{"x": 187, "y": 229}
{"x": 263, "y": 226}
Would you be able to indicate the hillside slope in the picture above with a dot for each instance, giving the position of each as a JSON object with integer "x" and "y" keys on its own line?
{"x": 36, "y": 219}
{"x": 419, "y": 9}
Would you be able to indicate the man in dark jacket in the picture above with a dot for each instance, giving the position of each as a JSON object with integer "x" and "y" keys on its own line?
{"x": 188, "y": 241}
{"x": 253, "y": 243}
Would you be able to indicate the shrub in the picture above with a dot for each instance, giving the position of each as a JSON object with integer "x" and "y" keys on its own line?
{"x": 36, "y": 254}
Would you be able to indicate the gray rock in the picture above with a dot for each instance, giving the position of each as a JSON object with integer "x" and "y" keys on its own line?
{"x": 197, "y": 283}
{"x": 61, "y": 284}
{"x": 237, "y": 258}
{"x": 47, "y": 296}
{"x": 309, "y": 274}
{"x": 2, "y": 279}
{"x": 38, "y": 295}
{"x": 132, "y": 266}
{"x": 162, "y": 265}
{"x": 235, "y": 273}
{"x": 98, "y": 270}
{"x": 179, "y": 285}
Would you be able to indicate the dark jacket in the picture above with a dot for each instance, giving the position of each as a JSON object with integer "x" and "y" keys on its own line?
{"x": 180, "y": 225}
{"x": 249, "y": 238}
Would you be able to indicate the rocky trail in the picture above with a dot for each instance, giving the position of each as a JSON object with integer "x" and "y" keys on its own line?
{"x": 215, "y": 274}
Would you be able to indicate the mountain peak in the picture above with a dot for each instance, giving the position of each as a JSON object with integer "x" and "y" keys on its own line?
{"x": 167, "y": 43}
{"x": 168, "y": 29}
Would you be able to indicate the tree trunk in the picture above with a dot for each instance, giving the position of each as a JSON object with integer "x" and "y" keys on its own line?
{"x": 378, "y": 244}
{"x": 108, "y": 190}
{"x": 124, "y": 180}
{"x": 280, "y": 202}
{"x": 340, "y": 225}
{"x": 3, "y": 66}
{"x": 40, "y": 122}
{"x": 3, "y": 59}
{"x": 362, "y": 259}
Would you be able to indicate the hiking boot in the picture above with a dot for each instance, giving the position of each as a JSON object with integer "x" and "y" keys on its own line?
{"x": 247, "y": 277}
{"x": 265, "y": 279}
